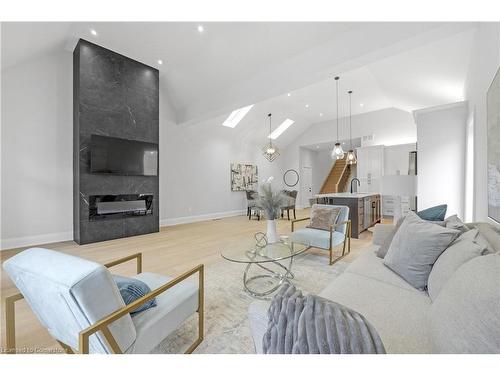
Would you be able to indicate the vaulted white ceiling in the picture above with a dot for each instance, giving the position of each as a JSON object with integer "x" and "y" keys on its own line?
{"x": 426, "y": 76}
{"x": 231, "y": 65}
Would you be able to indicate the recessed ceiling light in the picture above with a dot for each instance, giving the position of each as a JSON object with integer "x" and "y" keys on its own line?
{"x": 361, "y": 105}
{"x": 280, "y": 129}
{"x": 160, "y": 62}
{"x": 201, "y": 28}
{"x": 288, "y": 94}
{"x": 317, "y": 146}
{"x": 93, "y": 32}
{"x": 321, "y": 114}
{"x": 307, "y": 105}
{"x": 236, "y": 116}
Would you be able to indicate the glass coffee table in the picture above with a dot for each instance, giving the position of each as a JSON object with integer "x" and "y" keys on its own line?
{"x": 274, "y": 261}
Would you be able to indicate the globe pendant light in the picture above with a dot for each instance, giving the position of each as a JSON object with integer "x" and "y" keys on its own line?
{"x": 270, "y": 151}
{"x": 351, "y": 156}
{"x": 337, "y": 152}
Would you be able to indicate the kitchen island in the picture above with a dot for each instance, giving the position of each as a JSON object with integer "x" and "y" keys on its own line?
{"x": 364, "y": 208}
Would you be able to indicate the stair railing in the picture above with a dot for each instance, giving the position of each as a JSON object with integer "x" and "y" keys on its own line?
{"x": 344, "y": 176}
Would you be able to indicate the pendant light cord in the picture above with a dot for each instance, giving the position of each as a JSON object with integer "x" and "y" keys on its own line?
{"x": 270, "y": 140}
{"x": 350, "y": 120}
{"x": 337, "y": 79}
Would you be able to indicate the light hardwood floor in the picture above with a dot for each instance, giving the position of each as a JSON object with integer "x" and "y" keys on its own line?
{"x": 171, "y": 251}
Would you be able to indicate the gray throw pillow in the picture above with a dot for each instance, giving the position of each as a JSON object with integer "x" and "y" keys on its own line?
{"x": 442, "y": 223}
{"x": 490, "y": 234}
{"x": 384, "y": 247}
{"x": 323, "y": 217}
{"x": 454, "y": 222}
{"x": 415, "y": 248}
{"x": 465, "y": 248}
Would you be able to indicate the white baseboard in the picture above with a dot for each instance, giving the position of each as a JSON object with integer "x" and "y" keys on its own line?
{"x": 204, "y": 217}
{"x": 12, "y": 243}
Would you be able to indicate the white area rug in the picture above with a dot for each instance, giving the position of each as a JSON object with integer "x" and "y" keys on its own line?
{"x": 226, "y": 305}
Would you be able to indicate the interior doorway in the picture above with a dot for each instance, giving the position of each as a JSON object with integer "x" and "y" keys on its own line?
{"x": 306, "y": 186}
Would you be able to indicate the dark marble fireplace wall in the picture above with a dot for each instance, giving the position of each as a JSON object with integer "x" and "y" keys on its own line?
{"x": 116, "y": 96}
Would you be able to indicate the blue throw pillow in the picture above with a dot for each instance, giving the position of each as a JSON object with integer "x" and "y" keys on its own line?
{"x": 436, "y": 213}
{"x": 133, "y": 289}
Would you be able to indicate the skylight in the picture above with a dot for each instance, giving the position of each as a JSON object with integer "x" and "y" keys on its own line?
{"x": 281, "y": 129}
{"x": 236, "y": 116}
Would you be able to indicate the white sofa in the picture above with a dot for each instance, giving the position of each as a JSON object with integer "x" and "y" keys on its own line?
{"x": 406, "y": 318}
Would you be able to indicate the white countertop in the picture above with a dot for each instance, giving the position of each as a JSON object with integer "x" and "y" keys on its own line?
{"x": 345, "y": 195}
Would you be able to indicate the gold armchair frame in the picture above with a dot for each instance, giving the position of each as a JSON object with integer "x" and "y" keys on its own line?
{"x": 347, "y": 239}
{"x": 102, "y": 325}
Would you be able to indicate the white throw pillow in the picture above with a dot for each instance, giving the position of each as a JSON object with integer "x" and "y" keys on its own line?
{"x": 465, "y": 248}
{"x": 415, "y": 248}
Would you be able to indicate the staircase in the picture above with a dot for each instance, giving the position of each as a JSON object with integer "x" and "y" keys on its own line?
{"x": 338, "y": 178}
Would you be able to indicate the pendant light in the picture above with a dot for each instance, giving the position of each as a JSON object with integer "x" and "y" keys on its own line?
{"x": 270, "y": 151}
{"x": 351, "y": 156}
{"x": 337, "y": 152}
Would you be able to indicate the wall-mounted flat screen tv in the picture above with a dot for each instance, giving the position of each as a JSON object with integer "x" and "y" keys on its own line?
{"x": 123, "y": 156}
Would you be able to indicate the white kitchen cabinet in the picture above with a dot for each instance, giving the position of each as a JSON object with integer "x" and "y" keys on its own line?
{"x": 370, "y": 168}
{"x": 405, "y": 205}
{"x": 390, "y": 203}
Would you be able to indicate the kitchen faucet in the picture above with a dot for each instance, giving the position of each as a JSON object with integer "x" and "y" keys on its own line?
{"x": 355, "y": 179}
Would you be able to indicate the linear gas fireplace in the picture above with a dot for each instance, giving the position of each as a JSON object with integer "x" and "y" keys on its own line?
{"x": 102, "y": 207}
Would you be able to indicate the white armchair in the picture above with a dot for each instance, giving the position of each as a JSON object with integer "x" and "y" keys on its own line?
{"x": 338, "y": 233}
{"x": 79, "y": 303}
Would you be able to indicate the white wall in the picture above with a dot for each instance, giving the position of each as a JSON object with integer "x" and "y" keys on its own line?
{"x": 484, "y": 64}
{"x": 195, "y": 171}
{"x": 37, "y": 151}
{"x": 441, "y": 157}
{"x": 37, "y": 154}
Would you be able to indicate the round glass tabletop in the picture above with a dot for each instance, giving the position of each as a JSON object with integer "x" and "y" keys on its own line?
{"x": 255, "y": 252}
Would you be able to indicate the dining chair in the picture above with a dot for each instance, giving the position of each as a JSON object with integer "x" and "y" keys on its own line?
{"x": 290, "y": 203}
{"x": 253, "y": 204}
